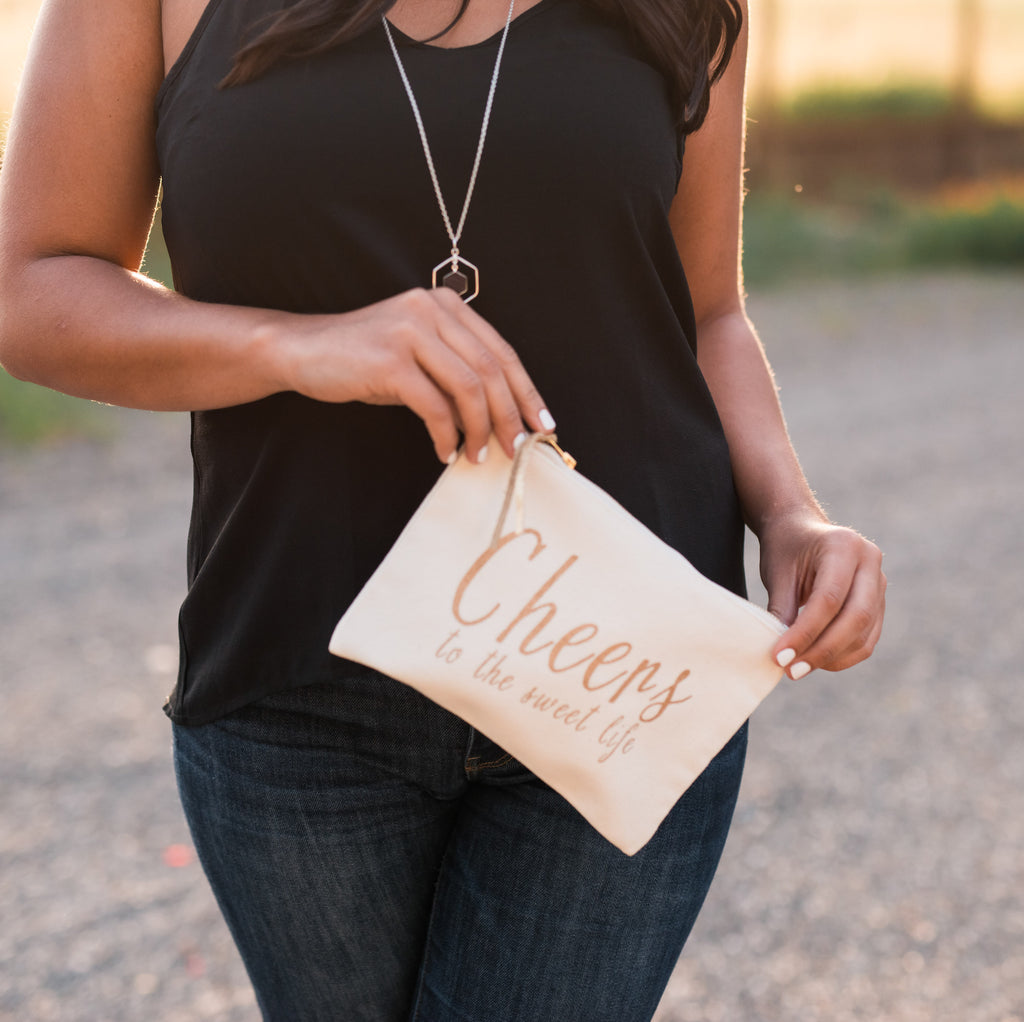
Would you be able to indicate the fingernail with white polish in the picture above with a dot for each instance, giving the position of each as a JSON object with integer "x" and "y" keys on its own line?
{"x": 519, "y": 441}
{"x": 800, "y": 670}
{"x": 785, "y": 657}
{"x": 546, "y": 419}
{"x": 452, "y": 458}
{"x": 481, "y": 456}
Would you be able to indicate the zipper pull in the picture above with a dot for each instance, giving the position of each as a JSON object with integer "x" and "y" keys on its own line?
{"x": 552, "y": 441}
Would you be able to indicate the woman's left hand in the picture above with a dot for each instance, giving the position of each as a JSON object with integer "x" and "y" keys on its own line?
{"x": 826, "y": 582}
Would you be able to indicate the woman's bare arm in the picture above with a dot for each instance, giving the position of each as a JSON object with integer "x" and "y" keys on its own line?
{"x": 77, "y": 194}
{"x": 832, "y": 572}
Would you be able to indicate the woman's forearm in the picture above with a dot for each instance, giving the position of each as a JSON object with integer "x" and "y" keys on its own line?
{"x": 768, "y": 475}
{"x": 87, "y": 327}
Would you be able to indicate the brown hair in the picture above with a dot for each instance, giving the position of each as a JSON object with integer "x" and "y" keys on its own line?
{"x": 689, "y": 41}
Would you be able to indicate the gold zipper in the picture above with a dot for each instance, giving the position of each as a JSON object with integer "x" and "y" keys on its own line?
{"x": 552, "y": 441}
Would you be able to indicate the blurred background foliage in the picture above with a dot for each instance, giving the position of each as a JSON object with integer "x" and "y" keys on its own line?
{"x": 884, "y": 136}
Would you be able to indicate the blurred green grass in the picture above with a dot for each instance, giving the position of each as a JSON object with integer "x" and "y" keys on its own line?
{"x": 32, "y": 415}
{"x": 889, "y": 100}
{"x": 787, "y": 237}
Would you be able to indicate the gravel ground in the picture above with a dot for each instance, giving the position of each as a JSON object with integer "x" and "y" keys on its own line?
{"x": 876, "y": 864}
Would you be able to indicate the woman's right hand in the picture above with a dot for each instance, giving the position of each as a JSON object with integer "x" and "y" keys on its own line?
{"x": 76, "y": 202}
{"x": 425, "y": 349}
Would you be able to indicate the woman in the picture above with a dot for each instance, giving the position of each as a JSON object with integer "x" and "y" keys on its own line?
{"x": 376, "y": 858}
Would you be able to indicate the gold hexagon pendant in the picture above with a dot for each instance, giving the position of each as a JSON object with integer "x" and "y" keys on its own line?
{"x": 452, "y": 274}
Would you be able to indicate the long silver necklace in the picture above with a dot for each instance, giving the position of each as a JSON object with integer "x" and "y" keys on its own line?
{"x": 455, "y": 272}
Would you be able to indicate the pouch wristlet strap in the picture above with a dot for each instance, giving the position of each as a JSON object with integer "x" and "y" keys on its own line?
{"x": 515, "y": 490}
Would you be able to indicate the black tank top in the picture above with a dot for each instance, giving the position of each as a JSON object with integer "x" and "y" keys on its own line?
{"x": 307, "y": 190}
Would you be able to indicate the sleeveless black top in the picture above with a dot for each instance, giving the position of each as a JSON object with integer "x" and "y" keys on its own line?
{"x": 307, "y": 190}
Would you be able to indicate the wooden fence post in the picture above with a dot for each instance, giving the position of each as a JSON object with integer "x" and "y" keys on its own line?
{"x": 767, "y": 85}
{"x": 968, "y": 41}
{"x": 964, "y": 145}
{"x": 768, "y": 146}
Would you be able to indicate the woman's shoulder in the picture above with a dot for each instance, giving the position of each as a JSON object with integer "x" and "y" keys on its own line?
{"x": 80, "y": 146}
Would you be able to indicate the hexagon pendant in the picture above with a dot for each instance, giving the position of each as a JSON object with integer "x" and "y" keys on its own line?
{"x": 451, "y": 274}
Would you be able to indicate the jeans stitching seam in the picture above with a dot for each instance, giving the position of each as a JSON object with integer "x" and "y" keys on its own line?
{"x": 421, "y": 979}
{"x": 507, "y": 758}
{"x": 469, "y": 762}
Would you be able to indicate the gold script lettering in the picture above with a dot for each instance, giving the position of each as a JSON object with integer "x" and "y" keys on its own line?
{"x": 664, "y": 699}
{"x": 532, "y": 607}
{"x": 647, "y": 666}
{"x": 570, "y": 639}
{"x": 611, "y": 655}
{"x": 479, "y": 564}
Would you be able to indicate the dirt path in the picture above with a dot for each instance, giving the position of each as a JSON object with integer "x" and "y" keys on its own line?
{"x": 875, "y": 868}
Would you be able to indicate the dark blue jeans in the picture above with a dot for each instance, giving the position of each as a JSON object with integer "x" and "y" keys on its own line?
{"x": 376, "y": 859}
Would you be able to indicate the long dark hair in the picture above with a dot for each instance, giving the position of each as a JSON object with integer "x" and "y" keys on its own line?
{"x": 689, "y": 41}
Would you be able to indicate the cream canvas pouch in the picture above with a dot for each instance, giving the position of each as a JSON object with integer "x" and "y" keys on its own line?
{"x": 571, "y": 636}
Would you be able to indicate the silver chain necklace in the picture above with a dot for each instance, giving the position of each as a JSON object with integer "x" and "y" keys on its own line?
{"x": 466, "y": 285}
